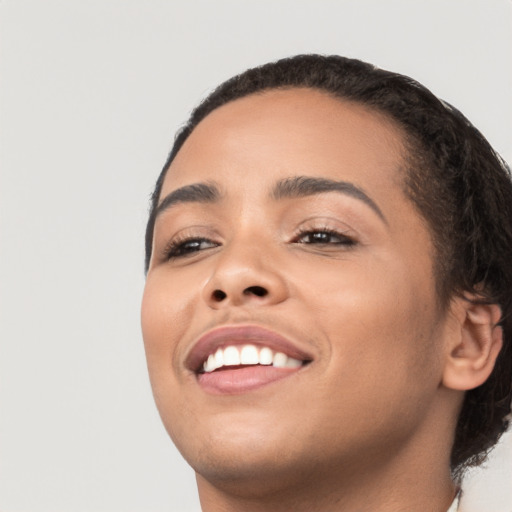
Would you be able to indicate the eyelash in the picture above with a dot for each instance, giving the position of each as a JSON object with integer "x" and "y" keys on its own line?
{"x": 178, "y": 248}
{"x": 344, "y": 239}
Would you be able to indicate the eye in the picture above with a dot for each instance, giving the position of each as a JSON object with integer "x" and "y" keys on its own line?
{"x": 323, "y": 237}
{"x": 181, "y": 248}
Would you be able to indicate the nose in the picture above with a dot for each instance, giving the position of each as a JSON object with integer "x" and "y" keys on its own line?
{"x": 243, "y": 276}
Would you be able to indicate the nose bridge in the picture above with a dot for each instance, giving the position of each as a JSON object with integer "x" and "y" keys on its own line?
{"x": 245, "y": 271}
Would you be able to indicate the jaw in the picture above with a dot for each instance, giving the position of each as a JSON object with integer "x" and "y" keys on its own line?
{"x": 258, "y": 446}
{"x": 417, "y": 477}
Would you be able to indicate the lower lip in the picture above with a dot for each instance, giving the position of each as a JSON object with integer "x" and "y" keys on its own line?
{"x": 243, "y": 379}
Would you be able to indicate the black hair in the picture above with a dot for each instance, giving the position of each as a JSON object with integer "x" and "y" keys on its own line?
{"x": 457, "y": 182}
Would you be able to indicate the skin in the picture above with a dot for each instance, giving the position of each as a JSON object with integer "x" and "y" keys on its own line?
{"x": 368, "y": 424}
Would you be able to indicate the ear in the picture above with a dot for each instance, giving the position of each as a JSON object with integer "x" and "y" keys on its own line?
{"x": 473, "y": 344}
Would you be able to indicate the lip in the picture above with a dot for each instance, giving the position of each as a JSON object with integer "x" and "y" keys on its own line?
{"x": 259, "y": 336}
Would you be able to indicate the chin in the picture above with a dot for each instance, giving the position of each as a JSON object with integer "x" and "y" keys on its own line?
{"x": 250, "y": 471}
{"x": 240, "y": 455}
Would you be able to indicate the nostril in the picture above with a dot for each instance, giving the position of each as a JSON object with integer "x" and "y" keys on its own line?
{"x": 219, "y": 295}
{"x": 259, "y": 291}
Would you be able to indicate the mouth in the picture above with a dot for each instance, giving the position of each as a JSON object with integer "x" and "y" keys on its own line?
{"x": 237, "y": 359}
{"x": 248, "y": 355}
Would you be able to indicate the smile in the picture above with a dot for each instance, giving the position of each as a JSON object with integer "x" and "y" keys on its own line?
{"x": 237, "y": 359}
{"x": 248, "y": 355}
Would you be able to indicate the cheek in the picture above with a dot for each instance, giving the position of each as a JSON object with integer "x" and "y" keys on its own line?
{"x": 379, "y": 314}
{"x": 384, "y": 360}
{"x": 165, "y": 308}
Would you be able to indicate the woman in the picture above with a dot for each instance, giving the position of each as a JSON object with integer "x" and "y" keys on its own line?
{"x": 327, "y": 307}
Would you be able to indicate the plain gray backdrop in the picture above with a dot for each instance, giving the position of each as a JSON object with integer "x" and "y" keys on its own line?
{"x": 91, "y": 95}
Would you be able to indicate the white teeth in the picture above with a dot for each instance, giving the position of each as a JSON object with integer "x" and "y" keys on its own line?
{"x": 279, "y": 360}
{"x": 249, "y": 355}
{"x": 231, "y": 356}
{"x": 266, "y": 356}
{"x": 283, "y": 361}
{"x": 210, "y": 364}
{"x": 235, "y": 355}
{"x": 291, "y": 362}
{"x": 219, "y": 358}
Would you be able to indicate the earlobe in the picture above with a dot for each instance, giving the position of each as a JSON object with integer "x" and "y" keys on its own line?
{"x": 474, "y": 347}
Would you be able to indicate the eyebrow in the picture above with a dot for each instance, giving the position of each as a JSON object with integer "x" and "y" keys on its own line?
{"x": 288, "y": 188}
{"x": 303, "y": 186}
{"x": 195, "y": 193}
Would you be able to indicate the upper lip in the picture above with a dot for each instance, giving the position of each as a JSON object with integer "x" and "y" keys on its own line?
{"x": 223, "y": 336}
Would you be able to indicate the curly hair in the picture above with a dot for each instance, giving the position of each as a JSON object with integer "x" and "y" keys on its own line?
{"x": 457, "y": 182}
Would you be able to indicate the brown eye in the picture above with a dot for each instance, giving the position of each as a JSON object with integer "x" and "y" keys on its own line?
{"x": 326, "y": 237}
{"x": 182, "y": 248}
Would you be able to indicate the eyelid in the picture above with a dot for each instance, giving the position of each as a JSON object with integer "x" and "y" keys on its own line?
{"x": 325, "y": 224}
{"x": 176, "y": 247}
{"x": 190, "y": 233}
{"x": 328, "y": 231}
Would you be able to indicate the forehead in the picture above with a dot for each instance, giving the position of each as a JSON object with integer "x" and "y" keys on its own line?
{"x": 281, "y": 133}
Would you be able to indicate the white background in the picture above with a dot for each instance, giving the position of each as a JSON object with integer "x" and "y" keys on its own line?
{"x": 91, "y": 95}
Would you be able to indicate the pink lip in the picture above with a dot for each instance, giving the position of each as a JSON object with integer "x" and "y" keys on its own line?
{"x": 240, "y": 335}
{"x": 241, "y": 380}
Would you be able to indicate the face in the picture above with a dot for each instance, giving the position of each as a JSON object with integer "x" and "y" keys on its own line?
{"x": 283, "y": 227}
